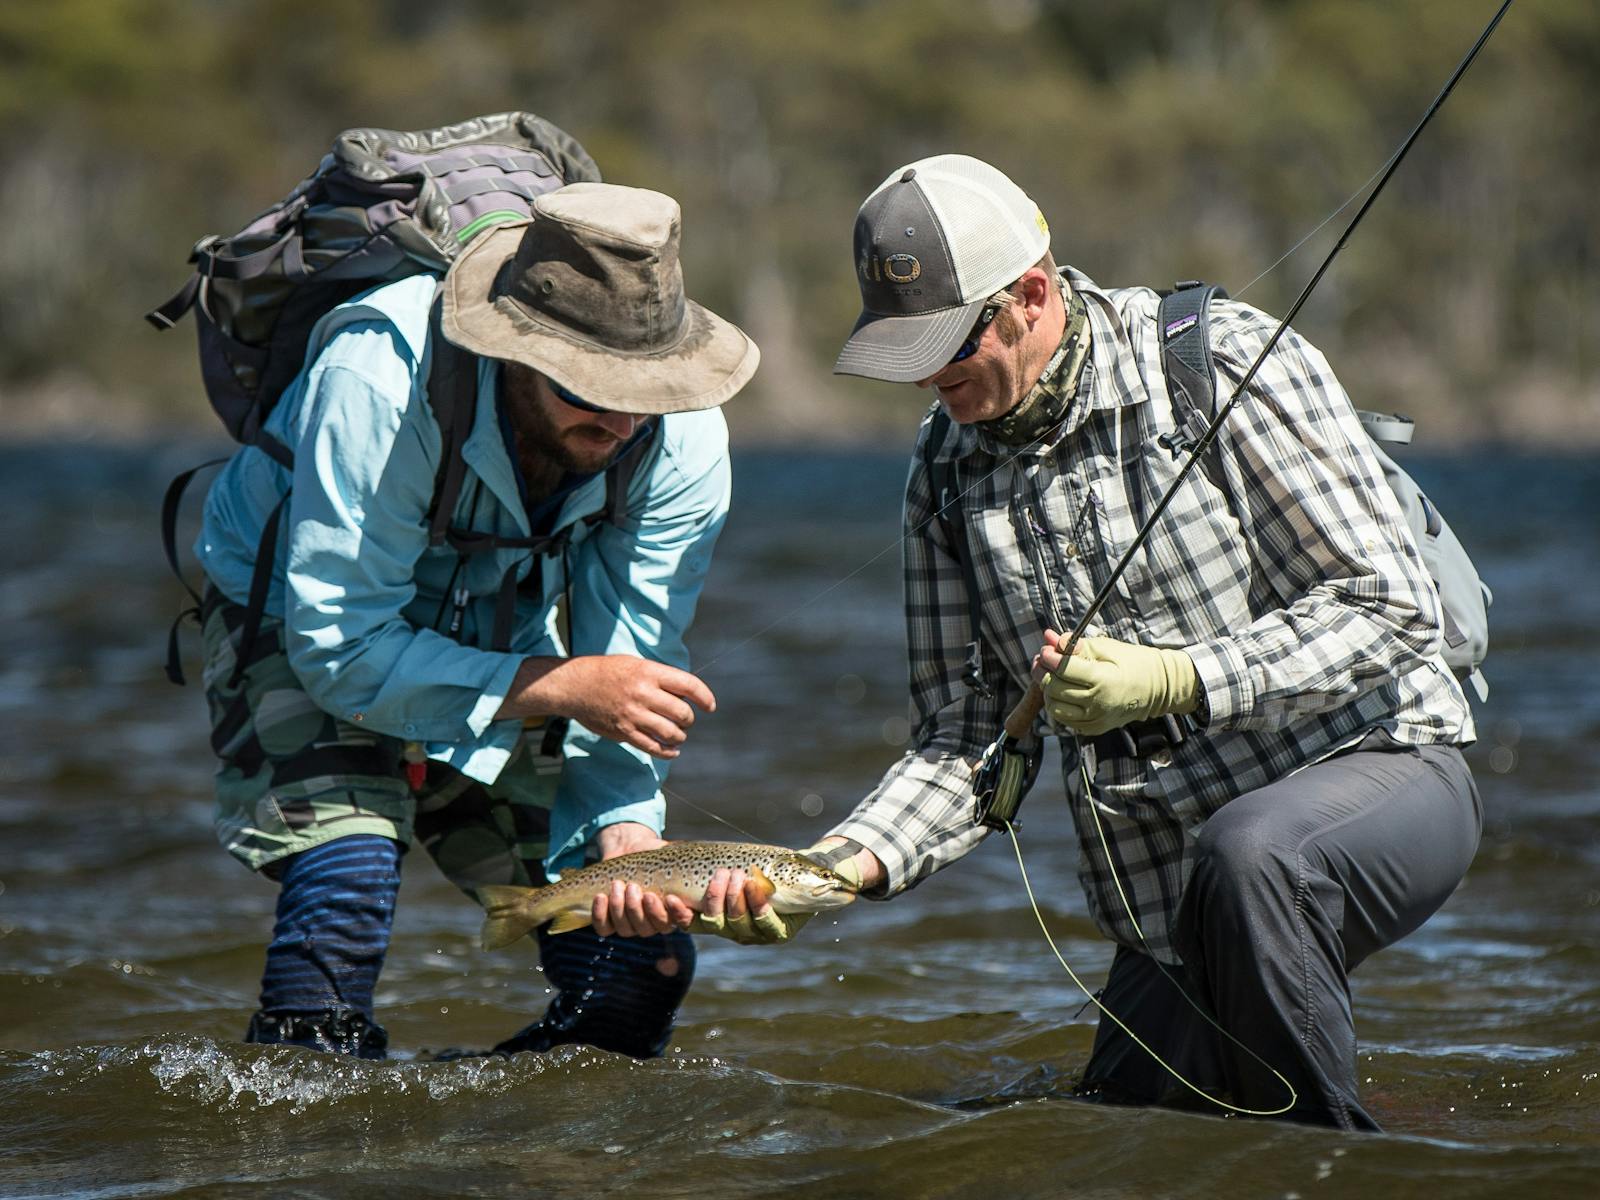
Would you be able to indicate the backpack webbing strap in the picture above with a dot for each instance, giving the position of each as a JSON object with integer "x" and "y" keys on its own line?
{"x": 181, "y": 301}
{"x": 260, "y": 582}
{"x": 453, "y": 394}
{"x": 945, "y": 487}
{"x": 169, "y": 523}
{"x": 619, "y": 476}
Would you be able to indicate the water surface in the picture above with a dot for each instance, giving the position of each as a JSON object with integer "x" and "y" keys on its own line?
{"x": 921, "y": 1048}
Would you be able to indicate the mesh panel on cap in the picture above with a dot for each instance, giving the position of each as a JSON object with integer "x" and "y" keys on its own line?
{"x": 992, "y": 233}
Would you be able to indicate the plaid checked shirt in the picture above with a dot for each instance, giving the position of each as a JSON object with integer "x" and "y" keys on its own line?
{"x": 1296, "y": 588}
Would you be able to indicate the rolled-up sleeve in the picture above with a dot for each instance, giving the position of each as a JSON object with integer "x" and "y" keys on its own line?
{"x": 363, "y": 479}
{"x": 1327, "y": 536}
{"x": 635, "y": 587}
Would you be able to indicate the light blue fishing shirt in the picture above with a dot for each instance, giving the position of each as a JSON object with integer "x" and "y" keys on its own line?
{"x": 364, "y": 597}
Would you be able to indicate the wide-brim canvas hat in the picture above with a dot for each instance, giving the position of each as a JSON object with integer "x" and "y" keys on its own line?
{"x": 589, "y": 291}
{"x": 933, "y": 242}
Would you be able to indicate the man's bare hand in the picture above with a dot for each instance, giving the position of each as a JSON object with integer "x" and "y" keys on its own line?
{"x": 627, "y": 909}
{"x": 643, "y": 704}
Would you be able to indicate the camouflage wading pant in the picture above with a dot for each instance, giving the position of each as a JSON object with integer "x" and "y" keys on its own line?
{"x": 293, "y": 777}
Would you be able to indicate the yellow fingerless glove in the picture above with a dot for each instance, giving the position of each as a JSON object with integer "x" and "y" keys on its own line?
{"x": 1107, "y": 684}
{"x": 772, "y": 927}
{"x": 749, "y": 930}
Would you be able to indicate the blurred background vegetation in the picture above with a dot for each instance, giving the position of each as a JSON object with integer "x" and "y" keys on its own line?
{"x": 1163, "y": 140}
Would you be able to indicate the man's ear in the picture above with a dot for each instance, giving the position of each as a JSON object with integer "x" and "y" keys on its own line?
{"x": 1034, "y": 290}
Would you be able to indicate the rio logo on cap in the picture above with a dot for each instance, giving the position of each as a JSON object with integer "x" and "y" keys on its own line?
{"x": 896, "y": 268}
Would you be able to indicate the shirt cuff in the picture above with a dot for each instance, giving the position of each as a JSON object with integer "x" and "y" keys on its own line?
{"x": 1225, "y": 678}
{"x": 570, "y": 853}
{"x": 494, "y": 695}
{"x": 894, "y": 850}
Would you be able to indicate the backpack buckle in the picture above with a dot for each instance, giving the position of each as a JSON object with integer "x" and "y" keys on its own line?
{"x": 1176, "y": 442}
{"x": 972, "y": 676}
{"x": 203, "y": 246}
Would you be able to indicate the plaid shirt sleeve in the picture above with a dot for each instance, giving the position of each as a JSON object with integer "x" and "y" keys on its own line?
{"x": 919, "y": 817}
{"x": 1326, "y": 535}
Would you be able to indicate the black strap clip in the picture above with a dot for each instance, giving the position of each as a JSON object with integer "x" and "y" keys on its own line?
{"x": 972, "y": 673}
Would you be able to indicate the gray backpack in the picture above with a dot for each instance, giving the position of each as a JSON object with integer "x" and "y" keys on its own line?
{"x": 381, "y": 206}
{"x": 1465, "y": 598}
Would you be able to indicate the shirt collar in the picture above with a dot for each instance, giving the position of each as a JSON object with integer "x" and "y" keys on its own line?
{"x": 1108, "y": 338}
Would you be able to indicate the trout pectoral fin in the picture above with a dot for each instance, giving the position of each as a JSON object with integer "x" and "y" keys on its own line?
{"x": 569, "y": 919}
{"x": 767, "y": 886}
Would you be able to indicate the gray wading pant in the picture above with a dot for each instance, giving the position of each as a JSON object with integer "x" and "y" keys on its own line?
{"x": 1294, "y": 885}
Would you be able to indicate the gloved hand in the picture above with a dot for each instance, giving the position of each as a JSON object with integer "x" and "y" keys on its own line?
{"x": 759, "y": 927}
{"x": 1107, "y": 684}
{"x": 757, "y": 924}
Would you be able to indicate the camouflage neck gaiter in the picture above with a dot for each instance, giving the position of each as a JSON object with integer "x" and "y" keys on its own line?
{"x": 1046, "y": 404}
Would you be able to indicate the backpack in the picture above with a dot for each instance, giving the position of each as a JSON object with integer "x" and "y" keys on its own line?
{"x": 381, "y": 206}
{"x": 1186, "y": 361}
{"x": 1182, "y": 322}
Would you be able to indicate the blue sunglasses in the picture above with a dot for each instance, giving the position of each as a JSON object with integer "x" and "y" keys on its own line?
{"x": 577, "y": 402}
{"x": 970, "y": 347}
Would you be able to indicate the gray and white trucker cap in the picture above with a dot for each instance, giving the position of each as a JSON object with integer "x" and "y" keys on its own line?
{"x": 934, "y": 241}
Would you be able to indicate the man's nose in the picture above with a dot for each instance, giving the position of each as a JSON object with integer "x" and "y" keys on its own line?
{"x": 619, "y": 423}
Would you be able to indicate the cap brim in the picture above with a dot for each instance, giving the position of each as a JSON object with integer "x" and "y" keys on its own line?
{"x": 904, "y": 349}
{"x": 706, "y": 366}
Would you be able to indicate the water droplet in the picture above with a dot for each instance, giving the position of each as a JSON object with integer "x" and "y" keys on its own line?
{"x": 444, "y": 1008}
{"x": 841, "y": 979}
{"x": 614, "y": 1149}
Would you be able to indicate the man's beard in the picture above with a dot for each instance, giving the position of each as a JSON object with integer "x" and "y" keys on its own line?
{"x": 572, "y": 449}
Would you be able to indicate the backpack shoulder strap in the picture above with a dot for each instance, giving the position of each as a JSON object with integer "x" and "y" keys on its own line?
{"x": 453, "y": 394}
{"x": 944, "y": 485}
{"x": 619, "y": 475}
{"x": 1183, "y": 321}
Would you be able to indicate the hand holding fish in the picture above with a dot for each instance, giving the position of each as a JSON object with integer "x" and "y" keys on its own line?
{"x": 652, "y": 890}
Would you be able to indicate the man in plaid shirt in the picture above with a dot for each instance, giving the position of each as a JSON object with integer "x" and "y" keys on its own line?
{"x": 1260, "y": 746}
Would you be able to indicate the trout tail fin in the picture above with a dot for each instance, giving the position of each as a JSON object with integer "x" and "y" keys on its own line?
{"x": 507, "y": 915}
{"x": 510, "y": 913}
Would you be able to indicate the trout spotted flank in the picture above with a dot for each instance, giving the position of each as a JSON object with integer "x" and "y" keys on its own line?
{"x": 793, "y": 884}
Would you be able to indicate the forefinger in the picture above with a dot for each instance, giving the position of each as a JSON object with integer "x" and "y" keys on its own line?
{"x": 692, "y": 688}
{"x": 716, "y": 893}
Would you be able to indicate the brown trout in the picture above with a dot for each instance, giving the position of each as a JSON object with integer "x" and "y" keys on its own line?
{"x": 792, "y": 882}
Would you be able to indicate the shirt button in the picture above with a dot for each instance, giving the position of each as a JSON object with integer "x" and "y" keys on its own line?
{"x": 1161, "y": 758}
{"x": 357, "y": 716}
{"x": 410, "y": 728}
{"x": 1072, "y": 549}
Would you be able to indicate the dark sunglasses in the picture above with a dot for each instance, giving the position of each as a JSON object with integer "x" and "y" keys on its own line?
{"x": 969, "y": 347}
{"x": 567, "y": 397}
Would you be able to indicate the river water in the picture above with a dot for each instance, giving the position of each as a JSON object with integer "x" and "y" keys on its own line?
{"x": 924, "y": 1048}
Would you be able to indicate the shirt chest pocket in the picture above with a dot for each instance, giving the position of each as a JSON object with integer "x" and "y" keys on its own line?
{"x": 1192, "y": 578}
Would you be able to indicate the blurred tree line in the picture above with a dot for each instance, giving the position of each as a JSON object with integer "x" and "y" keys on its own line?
{"x": 1163, "y": 140}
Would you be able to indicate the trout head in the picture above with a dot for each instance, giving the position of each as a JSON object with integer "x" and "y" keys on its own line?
{"x": 802, "y": 886}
